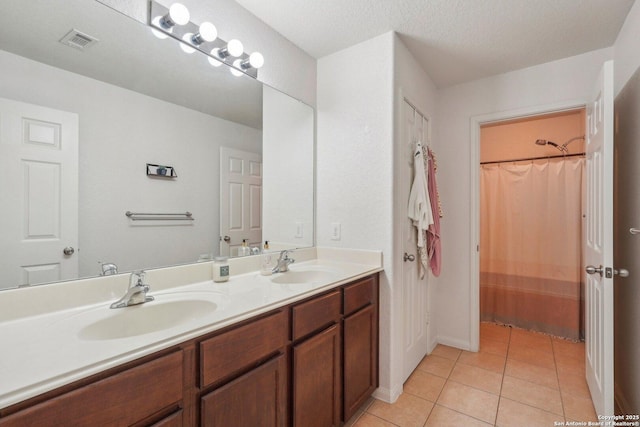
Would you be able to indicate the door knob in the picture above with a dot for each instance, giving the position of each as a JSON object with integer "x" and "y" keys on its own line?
{"x": 590, "y": 269}
{"x": 226, "y": 239}
{"x": 623, "y": 272}
{"x": 68, "y": 250}
{"x": 408, "y": 257}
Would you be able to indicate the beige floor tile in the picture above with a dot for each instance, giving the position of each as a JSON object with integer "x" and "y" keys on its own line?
{"x": 568, "y": 349}
{"x": 515, "y": 414}
{"x": 424, "y": 385}
{"x": 520, "y": 337}
{"x": 446, "y": 352}
{"x": 445, "y": 417}
{"x": 570, "y": 367}
{"x": 532, "y": 373}
{"x": 350, "y": 422}
{"x": 488, "y": 345}
{"x": 407, "y": 411}
{"x": 575, "y": 385}
{"x": 495, "y": 332}
{"x": 490, "y": 362}
{"x": 437, "y": 365}
{"x": 469, "y": 401}
{"x": 477, "y": 377}
{"x": 578, "y": 408}
{"x": 532, "y": 355}
{"x": 368, "y": 420}
{"x": 541, "y": 397}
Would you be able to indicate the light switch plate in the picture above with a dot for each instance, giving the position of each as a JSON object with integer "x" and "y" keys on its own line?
{"x": 299, "y": 230}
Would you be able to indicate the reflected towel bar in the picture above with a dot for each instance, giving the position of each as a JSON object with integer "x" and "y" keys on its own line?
{"x": 139, "y": 216}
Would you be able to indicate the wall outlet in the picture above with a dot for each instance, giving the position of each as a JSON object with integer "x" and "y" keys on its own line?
{"x": 335, "y": 231}
{"x": 299, "y": 230}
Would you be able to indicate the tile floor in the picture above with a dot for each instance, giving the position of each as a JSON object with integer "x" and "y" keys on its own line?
{"x": 518, "y": 378}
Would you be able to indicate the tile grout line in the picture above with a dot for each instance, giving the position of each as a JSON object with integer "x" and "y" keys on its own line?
{"x": 555, "y": 365}
{"x": 504, "y": 371}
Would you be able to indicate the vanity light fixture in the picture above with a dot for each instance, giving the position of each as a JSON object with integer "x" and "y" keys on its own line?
{"x": 174, "y": 22}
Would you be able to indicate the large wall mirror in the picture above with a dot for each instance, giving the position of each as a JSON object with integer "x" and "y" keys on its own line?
{"x": 130, "y": 123}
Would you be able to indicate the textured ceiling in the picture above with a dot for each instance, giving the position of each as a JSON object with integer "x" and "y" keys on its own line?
{"x": 454, "y": 40}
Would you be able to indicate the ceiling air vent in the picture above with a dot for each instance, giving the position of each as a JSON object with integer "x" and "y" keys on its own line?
{"x": 78, "y": 39}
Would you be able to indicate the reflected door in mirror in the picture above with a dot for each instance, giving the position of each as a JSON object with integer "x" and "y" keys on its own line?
{"x": 39, "y": 187}
{"x": 240, "y": 199}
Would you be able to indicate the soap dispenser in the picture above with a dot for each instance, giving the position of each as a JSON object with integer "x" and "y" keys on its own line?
{"x": 244, "y": 249}
{"x": 267, "y": 260}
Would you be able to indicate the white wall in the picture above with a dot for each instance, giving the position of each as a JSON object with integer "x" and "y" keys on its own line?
{"x": 563, "y": 81}
{"x": 287, "y": 191}
{"x": 354, "y": 167}
{"x": 121, "y": 131}
{"x": 287, "y": 67}
{"x": 412, "y": 83}
{"x": 626, "y": 48}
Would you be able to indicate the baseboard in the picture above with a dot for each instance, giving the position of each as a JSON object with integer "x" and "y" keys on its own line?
{"x": 453, "y": 342}
{"x": 388, "y": 395}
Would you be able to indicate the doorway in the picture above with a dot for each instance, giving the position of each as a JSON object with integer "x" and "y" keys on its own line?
{"x": 531, "y": 210}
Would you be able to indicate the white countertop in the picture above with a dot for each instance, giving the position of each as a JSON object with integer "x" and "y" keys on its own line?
{"x": 43, "y": 350}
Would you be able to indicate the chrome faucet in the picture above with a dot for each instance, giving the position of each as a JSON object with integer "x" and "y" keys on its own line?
{"x": 283, "y": 262}
{"x": 109, "y": 269}
{"x": 137, "y": 292}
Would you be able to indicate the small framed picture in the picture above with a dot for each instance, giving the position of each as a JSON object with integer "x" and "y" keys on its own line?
{"x": 161, "y": 171}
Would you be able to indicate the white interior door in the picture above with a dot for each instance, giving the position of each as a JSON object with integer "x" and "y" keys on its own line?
{"x": 414, "y": 290}
{"x": 598, "y": 251}
{"x": 39, "y": 188}
{"x": 240, "y": 199}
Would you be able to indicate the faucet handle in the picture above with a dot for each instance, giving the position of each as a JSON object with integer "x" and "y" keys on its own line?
{"x": 137, "y": 278}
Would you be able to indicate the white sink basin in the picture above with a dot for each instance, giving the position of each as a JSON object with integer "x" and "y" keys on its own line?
{"x": 145, "y": 318}
{"x": 307, "y": 275}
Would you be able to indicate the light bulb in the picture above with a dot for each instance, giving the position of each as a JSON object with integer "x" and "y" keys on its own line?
{"x": 179, "y": 14}
{"x": 256, "y": 60}
{"x": 207, "y": 33}
{"x": 235, "y": 48}
{"x": 159, "y": 34}
{"x": 235, "y": 71}
{"x": 214, "y": 62}
{"x": 185, "y": 47}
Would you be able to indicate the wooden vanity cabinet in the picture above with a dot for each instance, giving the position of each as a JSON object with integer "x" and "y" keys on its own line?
{"x": 253, "y": 356}
{"x": 360, "y": 343}
{"x": 312, "y": 363}
{"x": 316, "y": 367}
{"x": 142, "y": 395}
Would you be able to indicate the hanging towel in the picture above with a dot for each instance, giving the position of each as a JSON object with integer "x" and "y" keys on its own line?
{"x": 434, "y": 248}
{"x": 419, "y": 209}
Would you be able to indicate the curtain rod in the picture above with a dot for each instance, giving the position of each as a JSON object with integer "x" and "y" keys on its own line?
{"x": 532, "y": 158}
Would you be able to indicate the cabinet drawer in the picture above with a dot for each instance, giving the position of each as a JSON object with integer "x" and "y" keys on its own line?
{"x": 359, "y": 294}
{"x": 313, "y": 315}
{"x": 122, "y": 399}
{"x": 226, "y": 354}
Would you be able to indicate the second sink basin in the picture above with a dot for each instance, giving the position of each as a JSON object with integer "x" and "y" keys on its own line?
{"x": 145, "y": 318}
{"x": 307, "y": 275}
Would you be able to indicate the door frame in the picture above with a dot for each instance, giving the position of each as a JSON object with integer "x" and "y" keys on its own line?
{"x": 474, "y": 226}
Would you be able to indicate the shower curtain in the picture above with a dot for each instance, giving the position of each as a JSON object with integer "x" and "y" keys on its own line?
{"x": 530, "y": 245}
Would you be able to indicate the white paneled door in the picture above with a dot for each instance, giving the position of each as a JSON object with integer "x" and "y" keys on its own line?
{"x": 240, "y": 199}
{"x": 39, "y": 188}
{"x": 414, "y": 291}
{"x": 598, "y": 251}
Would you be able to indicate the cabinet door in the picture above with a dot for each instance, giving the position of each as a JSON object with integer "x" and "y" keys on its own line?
{"x": 316, "y": 380}
{"x": 256, "y": 399}
{"x": 360, "y": 358}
